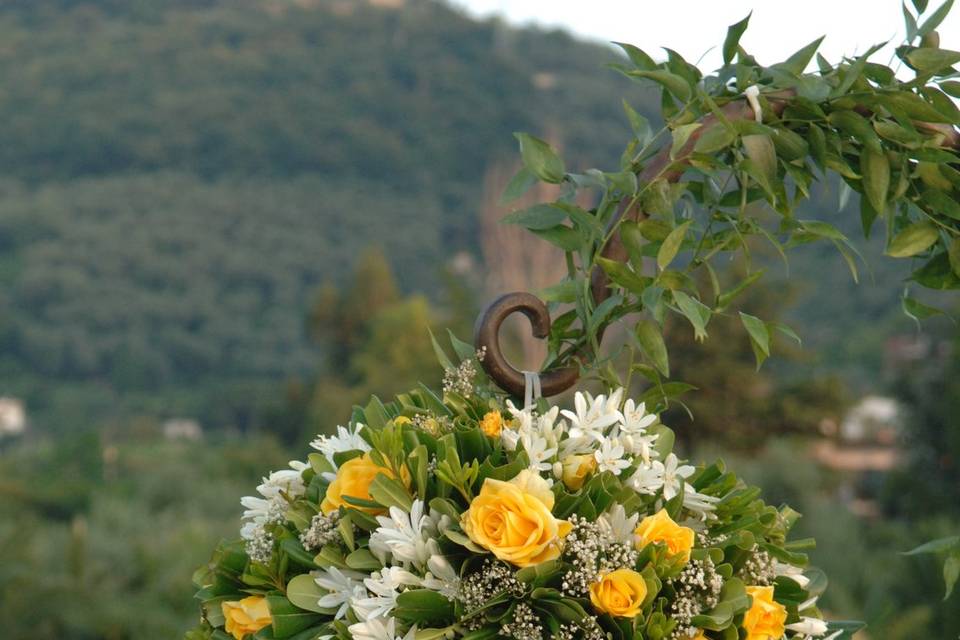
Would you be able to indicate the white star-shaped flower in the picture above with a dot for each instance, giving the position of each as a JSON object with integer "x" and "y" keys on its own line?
{"x": 343, "y": 588}
{"x": 593, "y": 415}
{"x": 610, "y": 458}
{"x": 674, "y": 475}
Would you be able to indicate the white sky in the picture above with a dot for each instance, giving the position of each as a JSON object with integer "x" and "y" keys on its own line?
{"x": 691, "y": 27}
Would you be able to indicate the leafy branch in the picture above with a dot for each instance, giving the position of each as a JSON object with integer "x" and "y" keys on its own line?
{"x": 737, "y": 156}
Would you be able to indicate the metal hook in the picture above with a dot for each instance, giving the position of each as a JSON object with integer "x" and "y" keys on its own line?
{"x": 487, "y": 338}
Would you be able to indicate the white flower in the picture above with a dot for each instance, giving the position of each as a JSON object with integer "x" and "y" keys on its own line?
{"x": 343, "y": 440}
{"x": 343, "y": 588}
{"x": 441, "y": 576}
{"x": 648, "y": 478}
{"x": 617, "y": 526}
{"x": 593, "y": 415}
{"x": 385, "y": 586}
{"x": 809, "y": 627}
{"x": 610, "y": 457}
{"x": 524, "y": 417}
{"x": 539, "y": 451}
{"x": 674, "y": 475}
{"x": 403, "y": 535}
{"x": 548, "y": 427}
{"x": 701, "y": 504}
{"x": 792, "y": 572}
{"x": 379, "y": 629}
{"x": 641, "y": 445}
{"x": 272, "y": 506}
{"x": 635, "y": 418}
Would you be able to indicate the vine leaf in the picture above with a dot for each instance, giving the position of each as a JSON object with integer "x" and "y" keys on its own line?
{"x": 671, "y": 245}
{"x": 670, "y": 81}
{"x": 732, "y": 41}
{"x": 759, "y": 337}
{"x": 540, "y": 159}
{"x": 651, "y": 343}
{"x": 935, "y": 18}
{"x": 876, "y": 178}
{"x": 915, "y": 239}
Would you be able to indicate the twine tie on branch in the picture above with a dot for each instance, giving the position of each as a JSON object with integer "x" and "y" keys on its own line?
{"x": 531, "y": 389}
{"x": 751, "y": 94}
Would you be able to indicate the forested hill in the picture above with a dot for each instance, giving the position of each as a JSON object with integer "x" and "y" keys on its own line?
{"x": 179, "y": 176}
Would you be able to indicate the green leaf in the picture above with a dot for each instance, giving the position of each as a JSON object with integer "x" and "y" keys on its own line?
{"x": 910, "y": 23}
{"x": 941, "y": 203}
{"x": 854, "y": 124}
{"x": 935, "y": 18}
{"x": 540, "y": 159}
{"x": 671, "y": 245}
{"x": 518, "y": 185}
{"x": 293, "y": 548}
{"x": 875, "y": 169}
{"x": 725, "y": 299}
{"x": 304, "y": 593}
{"x": 732, "y": 41}
{"x": 951, "y": 543}
{"x": 363, "y": 560}
{"x": 390, "y": 492}
{"x": 423, "y": 606}
{"x": 917, "y": 310}
{"x": 566, "y": 238}
{"x": 539, "y": 216}
{"x": 695, "y": 312}
{"x": 639, "y": 124}
{"x": 763, "y": 154}
{"x": 915, "y": 239}
{"x": 951, "y": 572}
{"x": 847, "y": 628}
{"x": 715, "y": 138}
{"x": 670, "y": 81}
{"x": 651, "y": 343}
{"x": 289, "y": 619}
{"x": 637, "y": 56}
{"x": 759, "y": 336}
{"x": 622, "y": 275}
{"x": 927, "y": 60}
{"x": 818, "y": 146}
{"x": 919, "y": 5}
{"x": 798, "y": 62}
{"x": 680, "y": 136}
{"x": 953, "y": 255}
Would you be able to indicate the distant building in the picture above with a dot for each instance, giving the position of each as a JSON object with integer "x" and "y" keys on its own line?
{"x": 13, "y": 416}
{"x": 182, "y": 429}
{"x": 864, "y": 449}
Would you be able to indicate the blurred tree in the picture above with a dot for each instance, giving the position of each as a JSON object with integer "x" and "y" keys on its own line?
{"x": 735, "y": 403}
{"x": 928, "y": 388}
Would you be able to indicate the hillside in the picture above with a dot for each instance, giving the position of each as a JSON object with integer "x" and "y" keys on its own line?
{"x": 180, "y": 177}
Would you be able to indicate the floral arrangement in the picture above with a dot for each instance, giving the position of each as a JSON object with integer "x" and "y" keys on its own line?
{"x": 467, "y": 516}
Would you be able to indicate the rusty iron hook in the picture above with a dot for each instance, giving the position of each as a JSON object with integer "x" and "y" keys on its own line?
{"x": 487, "y": 338}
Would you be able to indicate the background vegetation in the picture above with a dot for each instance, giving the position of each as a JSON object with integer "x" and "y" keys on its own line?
{"x": 248, "y": 213}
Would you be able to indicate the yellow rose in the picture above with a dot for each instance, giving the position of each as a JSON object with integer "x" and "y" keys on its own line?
{"x": 766, "y": 617}
{"x": 620, "y": 593}
{"x": 402, "y": 420}
{"x": 662, "y": 528}
{"x": 247, "y": 616}
{"x": 576, "y": 470}
{"x": 492, "y": 424}
{"x": 701, "y": 635}
{"x": 513, "y": 520}
{"x": 354, "y": 479}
